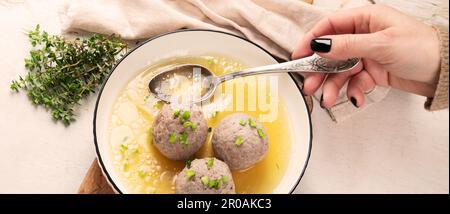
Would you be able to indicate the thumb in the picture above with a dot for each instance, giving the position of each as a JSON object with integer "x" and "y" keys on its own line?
{"x": 345, "y": 46}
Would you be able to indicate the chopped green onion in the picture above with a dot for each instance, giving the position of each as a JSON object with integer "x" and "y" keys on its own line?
{"x": 183, "y": 138}
{"x": 185, "y": 116}
{"x": 150, "y": 135}
{"x": 187, "y": 123}
{"x": 239, "y": 140}
{"x": 172, "y": 138}
{"x": 211, "y": 62}
{"x": 251, "y": 122}
{"x": 190, "y": 124}
{"x": 193, "y": 126}
{"x": 151, "y": 190}
{"x": 243, "y": 122}
{"x": 261, "y": 133}
{"x": 214, "y": 184}
{"x": 215, "y": 114}
{"x": 224, "y": 179}
{"x": 209, "y": 163}
{"x": 123, "y": 147}
{"x": 158, "y": 104}
{"x": 205, "y": 180}
{"x": 187, "y": 163}
{"x": 190, "y": 174}
{"x": 142, "y": 173}
{"x": 176, "y": 114}
{"x": 126, "y": 166}
{"x": 132, "y": 152}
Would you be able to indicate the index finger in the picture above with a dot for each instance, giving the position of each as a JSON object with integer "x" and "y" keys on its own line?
{"x": 349, "y": 21}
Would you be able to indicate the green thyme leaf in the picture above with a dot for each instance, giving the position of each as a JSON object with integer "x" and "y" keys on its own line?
{"x": 61, "y": 73}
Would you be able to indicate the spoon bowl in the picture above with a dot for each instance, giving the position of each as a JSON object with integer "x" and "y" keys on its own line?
{"x": 193, "y": 83}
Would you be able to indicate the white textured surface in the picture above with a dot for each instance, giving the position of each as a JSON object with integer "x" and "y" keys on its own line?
{"x": 393, "y": 147}
{"x": 36, "y": 155}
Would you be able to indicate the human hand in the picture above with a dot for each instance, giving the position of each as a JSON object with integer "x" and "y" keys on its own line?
{"x": 396, "y": 50}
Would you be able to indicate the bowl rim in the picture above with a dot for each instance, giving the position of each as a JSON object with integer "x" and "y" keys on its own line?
{"x": 97, "y": 150}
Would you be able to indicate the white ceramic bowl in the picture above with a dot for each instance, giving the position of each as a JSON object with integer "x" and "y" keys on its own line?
{"x": 200, "y": 42}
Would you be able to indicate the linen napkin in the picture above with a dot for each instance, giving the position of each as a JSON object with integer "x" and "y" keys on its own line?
{"x": 275, "y": 25}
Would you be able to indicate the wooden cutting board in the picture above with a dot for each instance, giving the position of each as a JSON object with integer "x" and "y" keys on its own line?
{"x": 94, "y": 182}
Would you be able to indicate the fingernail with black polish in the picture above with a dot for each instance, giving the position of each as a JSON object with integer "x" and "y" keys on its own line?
{"x": 322, "y": 45}
{"x": 321, "y": 101}
{"x": 354, "y": 102}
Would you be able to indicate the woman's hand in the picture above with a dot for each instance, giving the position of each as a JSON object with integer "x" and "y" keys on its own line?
{"x": 397, "y": 51}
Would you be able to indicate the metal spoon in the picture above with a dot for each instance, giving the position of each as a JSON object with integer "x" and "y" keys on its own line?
{"x": 208, "y": 82}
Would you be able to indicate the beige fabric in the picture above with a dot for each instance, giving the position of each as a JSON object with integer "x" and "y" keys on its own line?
{"x": 440, "y": 99}
{"x": 275, "y": 25}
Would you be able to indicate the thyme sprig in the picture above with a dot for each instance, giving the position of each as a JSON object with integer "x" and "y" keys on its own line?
{"x": 62, "y": 72}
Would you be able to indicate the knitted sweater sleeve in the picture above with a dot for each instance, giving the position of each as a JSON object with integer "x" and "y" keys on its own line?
{"x": 440, "y": 98}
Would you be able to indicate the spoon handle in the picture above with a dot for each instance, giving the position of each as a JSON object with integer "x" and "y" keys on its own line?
{"x": 311, "y": 64}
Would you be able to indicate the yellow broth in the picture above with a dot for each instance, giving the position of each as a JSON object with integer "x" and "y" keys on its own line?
{"x": 144, "y": 170}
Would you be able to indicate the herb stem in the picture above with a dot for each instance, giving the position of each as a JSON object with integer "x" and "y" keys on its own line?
{"x": 61, "y": 73}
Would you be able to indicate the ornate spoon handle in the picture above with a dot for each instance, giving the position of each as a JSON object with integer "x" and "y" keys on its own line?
{"x": 311, "y": 64}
